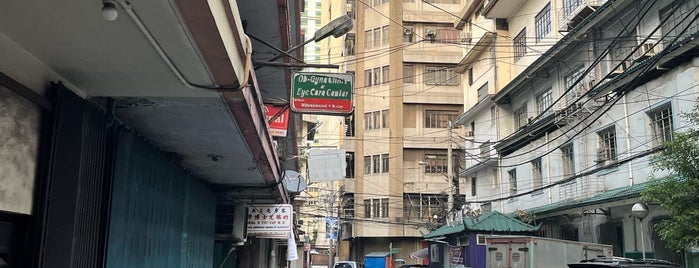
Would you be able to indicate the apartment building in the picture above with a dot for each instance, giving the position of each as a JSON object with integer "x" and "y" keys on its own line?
{"x": 567, "y": 138}
{"x": 407, "y": 92}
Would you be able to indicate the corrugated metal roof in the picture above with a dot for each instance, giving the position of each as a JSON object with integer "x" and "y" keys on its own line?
{"x": 493, "y": 221}
{"x": 445, "y": 230}
{"x": 604, "y": 197}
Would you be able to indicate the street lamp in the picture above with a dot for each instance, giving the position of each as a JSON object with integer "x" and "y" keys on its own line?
{"x": 336, "y": 28}
{"x": 640, "y": 211}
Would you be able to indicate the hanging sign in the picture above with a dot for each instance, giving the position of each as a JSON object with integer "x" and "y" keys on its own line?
{"x": 270, "y": 220}
{"x": 279, "y": 125}
{"x": 322, "y": 93}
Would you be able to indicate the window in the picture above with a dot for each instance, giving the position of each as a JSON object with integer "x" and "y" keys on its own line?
{"x": 439, "y": 119}
{"x": 473, "y": 186}
{"x": 350, "y": 8}
{"x": 441, "y": 75}
{"x": 606, "y": 152}
{"x": 543, "y": 100}
{"x": 349, "y": 170}
{"x": 677, "y": 21}
{"x": 435, "y": 163}
{"x": 384, "y": 119}
{"x": 408, "y": 74}
{"x": 469, "y": 72}
{"x": 376, "y": 74}
{"x": 520, "y": 116}
{"x": 367, "y": 165}
{"x": 349, "y": 126}
{"x": 512, "y": 174}
{"x": 377, "y": 37}
{"x": 367, "y": 39}
{"x": 573, "y": 90}
{"x": 384, "y": 74}
{"x": 485, "y": 151}
{"x": 376, "y": 161}
{"x": 367, "y": 208}
{"x": 384, "y": 163}
{"x": 349, "y": 44}
{"x": 567, "y": 164}
{"x": 661, "y": 124}
{"x": 520, "y": 44}
{"x": 384, "y": 35}
{"x": 570, "y": 5}
{"x": 368, "y": 121}
{"x": 376, "y": 208}
{"x": 542, "y": 23}
{"x": 537, "y": 178}
{"x": 483, "y": 91}
{"x": 367, "y": 78}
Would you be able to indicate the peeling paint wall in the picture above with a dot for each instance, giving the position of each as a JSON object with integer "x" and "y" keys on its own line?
{"x": 19, "y": 139}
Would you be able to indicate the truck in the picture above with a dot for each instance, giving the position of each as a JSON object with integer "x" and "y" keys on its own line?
{"x": 532, "y": 252}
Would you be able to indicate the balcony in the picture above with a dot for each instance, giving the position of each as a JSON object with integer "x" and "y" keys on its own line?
{"x": 570, "y": 15}
{"x": 485, "y": 156}
{"x": 468, "y": 9}
{"x": 475, "y": 49}
{"x": 501, "y": 8}
{"x": 581, "y": 188}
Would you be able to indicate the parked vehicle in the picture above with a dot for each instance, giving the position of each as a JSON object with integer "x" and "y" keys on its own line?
{"x": 534, "y": 252}
{"x": 347, "y": 264}
{"x": 622, "y": 263}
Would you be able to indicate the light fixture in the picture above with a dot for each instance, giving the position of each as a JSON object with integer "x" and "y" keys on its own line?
{"x": 109, "y": 11}
{"x": 640, "y": 211}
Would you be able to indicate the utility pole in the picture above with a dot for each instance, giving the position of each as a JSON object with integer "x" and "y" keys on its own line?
{"x": 450, "y": 170}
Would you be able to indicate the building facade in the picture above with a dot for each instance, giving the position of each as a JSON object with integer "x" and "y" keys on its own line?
{"x": 566, "y": 136}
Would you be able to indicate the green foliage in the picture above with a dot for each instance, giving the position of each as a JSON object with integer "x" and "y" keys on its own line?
{"x": 678, "y": 193}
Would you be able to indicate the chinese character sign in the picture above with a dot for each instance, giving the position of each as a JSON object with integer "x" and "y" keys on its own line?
{"x": 270, "y": 219}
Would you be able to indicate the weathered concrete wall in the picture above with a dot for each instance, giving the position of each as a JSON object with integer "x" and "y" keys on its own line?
{"x": 19, "y": 138}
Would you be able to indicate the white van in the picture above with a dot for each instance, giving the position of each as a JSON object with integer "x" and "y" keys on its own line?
{"x": 347, "y": 264}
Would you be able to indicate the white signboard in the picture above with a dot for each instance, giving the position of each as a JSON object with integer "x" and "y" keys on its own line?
{"x": 270, "y": 220}
{"x": 326, "y": 165}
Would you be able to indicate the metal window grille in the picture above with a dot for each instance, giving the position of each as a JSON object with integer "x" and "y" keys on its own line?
{"x": 607, "y": 145}
{"x": 537, "y": 178}
{"x": 567, "y": 158}
{"x": 520, "y": 44}
{"x": 439, "y": 119}
{"x": 512, "y": 174}
{"x": 543, "y": 100}
{"x": 543, "y": 23}
{"x": 661, "y": 124}
{"x": 520, "y": 116}
{"x": 441, "y": 75}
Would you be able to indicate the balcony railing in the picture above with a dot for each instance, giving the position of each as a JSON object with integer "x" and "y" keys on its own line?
{"x": 575, "y": 11}
{"x": 580, "y": 188}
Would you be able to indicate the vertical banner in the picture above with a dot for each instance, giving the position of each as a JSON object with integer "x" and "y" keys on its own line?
{"x": 292, "y": 253}
{"x": 332, "y": 225}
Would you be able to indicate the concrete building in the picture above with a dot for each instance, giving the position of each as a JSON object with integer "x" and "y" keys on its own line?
{"x": 404, "y": 55}
{"x": 582, "y": 95}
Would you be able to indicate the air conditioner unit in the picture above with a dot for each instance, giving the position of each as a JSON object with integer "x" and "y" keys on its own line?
{"x": 431, "y": 34}
{"x": 407, "y": 30}
{"x": 601, "y": 155}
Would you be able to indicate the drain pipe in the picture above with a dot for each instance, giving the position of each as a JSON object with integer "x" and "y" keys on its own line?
{"x": 628, "y": 139}
{"x": 166, "y": 59}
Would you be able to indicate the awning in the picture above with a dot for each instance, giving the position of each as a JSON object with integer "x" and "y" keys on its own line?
{"x": 422, "y": 254}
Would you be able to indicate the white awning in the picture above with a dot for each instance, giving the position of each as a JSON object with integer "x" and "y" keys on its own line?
{"x": 422, "y": 254}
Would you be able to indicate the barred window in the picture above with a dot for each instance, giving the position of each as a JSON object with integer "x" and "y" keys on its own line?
{"x": 574, "y": 90}
{"x": 520, "y": 116}
{"x": 537, "y": 176}
{"x": 661, "y": 124}
{"x": 543, "y": 100}
{"x": 512, "y": 175}
{"x": 520, "y": 44}
{"x": 441, "y": 75}
{"x": 606, "y": 151}
{"x": 567, "y": 164}
{"x": 570, "y": 5}
{"x": 439, "y": 119}
{"x": 543, "y": 23}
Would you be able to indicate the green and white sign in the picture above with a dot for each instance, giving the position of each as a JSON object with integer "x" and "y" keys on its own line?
{"x": 322, "y": 93}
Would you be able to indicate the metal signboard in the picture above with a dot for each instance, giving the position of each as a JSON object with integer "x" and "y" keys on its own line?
{"x": 278, "y": 127}
{"x": 322, "y": 93}
{"x": 326, "y": 165}
{"x": 270, "y": 220}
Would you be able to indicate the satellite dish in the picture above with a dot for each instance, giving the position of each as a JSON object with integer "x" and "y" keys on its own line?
{"x": 294, "y": 182}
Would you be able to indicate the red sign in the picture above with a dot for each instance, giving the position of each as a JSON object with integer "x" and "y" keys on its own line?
{"x": 279, "y": 126}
